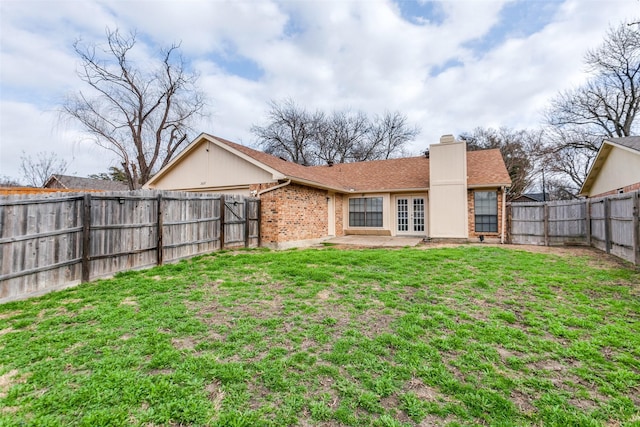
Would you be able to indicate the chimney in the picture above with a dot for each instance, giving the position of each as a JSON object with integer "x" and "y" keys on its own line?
{"x": 447, "y": 139}
{"x": 448, "y": 188}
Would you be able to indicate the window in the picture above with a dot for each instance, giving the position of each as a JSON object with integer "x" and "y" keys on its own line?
{"x": 486, "y": 208}
{"x": 365, "y": 212}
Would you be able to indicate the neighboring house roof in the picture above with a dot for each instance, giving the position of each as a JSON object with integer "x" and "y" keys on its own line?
{"x": 484, "y": 168}
{"x": 531, "y": 197}
{"x": 629, "y": 145}
{"x": 79, "y": 183}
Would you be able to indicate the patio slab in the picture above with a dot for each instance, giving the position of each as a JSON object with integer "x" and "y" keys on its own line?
{"x": 375, "y": 241}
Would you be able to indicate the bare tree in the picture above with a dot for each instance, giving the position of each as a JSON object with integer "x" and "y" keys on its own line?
{"x": 343, "y": 137}
{"x": 37, "y": 170}
{"x": 609, "y": 102}
{"x": 568, "y": 157}
{"x": 290, "y": 132}
{"x": 607, "y": 105}
{"x": 519, "y": 149}
{"x": 390, "y": 133}
{"x": 312, "y": 138}
{"x": 7, "y": 181}
{"x": 140, "y": 111}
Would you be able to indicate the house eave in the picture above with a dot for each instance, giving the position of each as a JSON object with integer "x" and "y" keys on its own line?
{"x": 388, "y": 190}
{"x": 490, "y": 185}
{"x": 601, "y": 157}
{"x": 314, "y": 184}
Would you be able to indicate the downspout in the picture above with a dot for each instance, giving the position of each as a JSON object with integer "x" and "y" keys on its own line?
{"x": 275, "y": 187}
{"x": 504, "y": 213}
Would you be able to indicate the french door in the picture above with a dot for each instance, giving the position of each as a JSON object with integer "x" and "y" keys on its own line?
{"x": 410, "y": 215}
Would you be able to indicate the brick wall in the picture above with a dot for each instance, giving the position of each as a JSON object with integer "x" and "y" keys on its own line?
{"x": 472, "y": 215}
{"x": 626, "y": 189}
{"x": 339, "y": 203}
{"x": 292, "y": 213}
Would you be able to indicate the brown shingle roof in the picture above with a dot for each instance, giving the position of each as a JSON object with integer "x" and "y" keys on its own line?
{"x": 632, "y": 142}
{"x": 79, "y": 183}
{"x": 484, "y": 167}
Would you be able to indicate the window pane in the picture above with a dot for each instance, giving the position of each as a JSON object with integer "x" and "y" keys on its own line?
{"x": 418, "y": 214}
{"x": 403, "y": 215}
{"x": 486, "y": 202}
{"x": 356, "y": 219}
{"x": 486, "y": 211}
{"x": 365, "y": 212}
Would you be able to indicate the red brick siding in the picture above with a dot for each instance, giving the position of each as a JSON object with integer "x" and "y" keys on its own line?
{"x": 292, "y": 213}
{"x": 339, "y": 203}
{"x": 472, "y": 214}
{"x": 626, "y": 189}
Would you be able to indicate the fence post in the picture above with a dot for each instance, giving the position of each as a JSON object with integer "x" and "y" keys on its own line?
{"x": 86, "y": 237}
{"x": 636, "y": 227}
{"x": 587, "y": 218}
{"x": 607, "y": 224}
{"x": 259, "y": 219}
{"x": 223, "y": 207}
{"x": 246, "y": 222}
{"x": 160, "y": 224}
{"x": 546, "y": 223}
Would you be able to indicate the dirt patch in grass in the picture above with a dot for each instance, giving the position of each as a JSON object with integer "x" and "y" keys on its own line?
{"x": 184, "y": 343}
{"x": 130, "y": 302}
{"x": 216, "y": 394}
{"x": 423, "y": 391}
{"x": 523, "y": 401}
{"x": 8, "y": 380}
{"x": 6, "y": 331}
{"x": 506, "y": 354}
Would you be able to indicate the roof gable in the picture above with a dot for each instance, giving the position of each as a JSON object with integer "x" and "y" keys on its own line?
{"x": 211, "y": 163}
{"x": 627, "y": 146}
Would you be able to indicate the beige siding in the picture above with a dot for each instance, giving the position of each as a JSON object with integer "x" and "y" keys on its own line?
{"x": 620, "y": 169}
{"x": 448, "y": 190}
{"x": 209, "y": 167}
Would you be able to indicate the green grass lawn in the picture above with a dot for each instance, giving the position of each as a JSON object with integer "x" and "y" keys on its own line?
{"x": 474, "y": 335}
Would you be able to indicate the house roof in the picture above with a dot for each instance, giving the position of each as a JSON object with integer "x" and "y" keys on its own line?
{"x": 531, "y": 197}
{"x": 630, "y": 144}
{"x": 484, "y": 168}
{"x": 79, "y": 183}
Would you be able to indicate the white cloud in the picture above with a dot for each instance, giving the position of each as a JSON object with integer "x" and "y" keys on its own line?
{"x": 25, "y": 128}
{"x": 323, "y": 54}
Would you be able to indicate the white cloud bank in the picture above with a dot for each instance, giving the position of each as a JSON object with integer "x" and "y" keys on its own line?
{"x": 449, "y": 73}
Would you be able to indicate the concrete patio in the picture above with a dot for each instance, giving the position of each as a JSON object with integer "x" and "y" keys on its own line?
{"x": 375, "y": 241}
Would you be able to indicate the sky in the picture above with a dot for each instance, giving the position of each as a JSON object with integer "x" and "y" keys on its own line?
{"x": 449, "y": 66}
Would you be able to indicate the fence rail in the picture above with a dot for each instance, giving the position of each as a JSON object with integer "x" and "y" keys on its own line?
{"x": 49, "y": 242}
{"x": 608, "y": 223}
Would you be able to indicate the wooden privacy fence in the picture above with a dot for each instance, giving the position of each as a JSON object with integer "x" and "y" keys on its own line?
{"x": 49, "y": 242}
{"x": 609, "y": 223}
